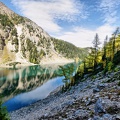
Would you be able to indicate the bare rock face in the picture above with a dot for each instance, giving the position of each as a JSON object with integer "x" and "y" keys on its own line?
{"x": 5, "y": 10}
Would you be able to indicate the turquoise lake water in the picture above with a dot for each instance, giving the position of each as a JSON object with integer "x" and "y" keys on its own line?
{"x": 24, "y": 86}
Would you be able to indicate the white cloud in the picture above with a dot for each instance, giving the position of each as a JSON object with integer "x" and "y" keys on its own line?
{"x": 109, "y": 10}
{"x": 45, "y": 12}
{"x": 83, "y": 37}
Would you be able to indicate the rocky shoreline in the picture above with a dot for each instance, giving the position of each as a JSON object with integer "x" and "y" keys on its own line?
{"x": 95, "y": 98}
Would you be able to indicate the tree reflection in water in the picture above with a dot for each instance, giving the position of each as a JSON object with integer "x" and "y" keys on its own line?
{"x": 15, "y": 81}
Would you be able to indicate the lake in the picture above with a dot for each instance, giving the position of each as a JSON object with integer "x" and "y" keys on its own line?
{"x": 23, "y": 86}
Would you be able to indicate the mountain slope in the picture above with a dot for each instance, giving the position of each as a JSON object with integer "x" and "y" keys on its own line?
{"x": 94, "y": 98}
{"x": 22, "y": 40}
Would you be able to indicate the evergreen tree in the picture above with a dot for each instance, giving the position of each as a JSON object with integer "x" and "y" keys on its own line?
{"x": 96, "y": 43}
{"x": 104, "y": 57}
{"x": 114, "y": 42}
{"x": 118, "y": 43}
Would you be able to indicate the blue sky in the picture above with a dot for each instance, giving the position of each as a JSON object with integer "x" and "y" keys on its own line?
{"x": 75, "y": 21}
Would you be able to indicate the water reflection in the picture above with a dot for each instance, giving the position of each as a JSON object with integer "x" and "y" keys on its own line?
{"x": 33, "y": 96}
{"x": 13, "y": 82}
{"x": 23, "y": 86}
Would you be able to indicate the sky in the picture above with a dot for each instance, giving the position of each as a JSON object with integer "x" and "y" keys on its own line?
{"x": 75, "y": 21}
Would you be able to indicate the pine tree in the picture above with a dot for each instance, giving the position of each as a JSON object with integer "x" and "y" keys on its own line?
{"x": 114, "y": 42}
{"x": 104, "y": 57}
{"x": 96, "y": 43}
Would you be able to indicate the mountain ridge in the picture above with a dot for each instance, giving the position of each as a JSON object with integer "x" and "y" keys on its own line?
{"x": 22, "y": 40}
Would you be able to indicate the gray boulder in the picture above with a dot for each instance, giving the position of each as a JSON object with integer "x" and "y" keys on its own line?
{"x": 107, "y": 117}
{"x": 96, "y": 90}
{"x": 100, "y": 86}
{"x": 99, "y": 107}
{"x": 97, "y": 118}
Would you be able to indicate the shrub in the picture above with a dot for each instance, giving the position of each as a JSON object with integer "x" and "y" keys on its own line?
{"x": 110, "y": 66}
{"x": 3, "y": 112}
{"x": 116, "y": 69}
